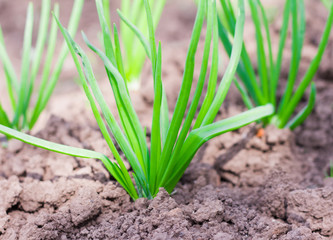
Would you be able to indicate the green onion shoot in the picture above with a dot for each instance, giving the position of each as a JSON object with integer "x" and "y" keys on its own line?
{"x": 175, "y": 141}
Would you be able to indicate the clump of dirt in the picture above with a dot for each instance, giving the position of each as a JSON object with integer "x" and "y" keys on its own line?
{"x": 312, "y": 208}
{"x": 261, "y": 192}
{"x": 27, "y": 161}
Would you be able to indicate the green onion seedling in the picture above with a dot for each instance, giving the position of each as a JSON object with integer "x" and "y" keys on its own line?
{"x": 134, "y": 53}
{"x": 21, "y": 90}
{"x": 261, "y": 88}
{"x": 173, "y": 142}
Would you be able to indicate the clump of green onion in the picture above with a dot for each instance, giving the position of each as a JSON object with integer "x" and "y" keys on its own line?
{"x": 261, "y": 89}
{"x": 134, "y": 53}
{"x": 21, "y": 90}
{"x": 173, "y": 143}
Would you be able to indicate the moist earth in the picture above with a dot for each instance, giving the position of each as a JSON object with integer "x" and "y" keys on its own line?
{"x": 241, "y": 185}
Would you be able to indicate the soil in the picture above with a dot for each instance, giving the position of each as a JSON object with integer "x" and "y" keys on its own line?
{"x": 239, "y": 185}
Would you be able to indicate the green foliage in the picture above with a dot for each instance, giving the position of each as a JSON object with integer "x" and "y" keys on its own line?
{"x": 134, "y": 53}
{"x": 327, "y": 3}
{"x": 329, "y": 173}
{"x": 173, "y": 144}
{"x": 261, "y": 88}
{"x": 21, "y": 90}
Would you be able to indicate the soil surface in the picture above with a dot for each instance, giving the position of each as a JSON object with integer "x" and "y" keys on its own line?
{"x": 239, "y": 186}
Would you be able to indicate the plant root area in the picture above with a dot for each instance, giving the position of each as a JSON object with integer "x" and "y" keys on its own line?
{"x": 241, "y": 185}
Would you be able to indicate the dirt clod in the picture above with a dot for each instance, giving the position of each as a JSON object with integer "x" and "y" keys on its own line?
{"x": 85, "y": 205}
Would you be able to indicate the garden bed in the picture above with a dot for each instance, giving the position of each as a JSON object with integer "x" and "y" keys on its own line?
{"x": 241, "y": 185}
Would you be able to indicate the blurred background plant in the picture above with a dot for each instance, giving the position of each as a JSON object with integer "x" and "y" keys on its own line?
{"x": 258, "y": 85}
{"x": 327, "y": 3}
{"x": 28, "y": 94}
{"x": 134, "y": 53}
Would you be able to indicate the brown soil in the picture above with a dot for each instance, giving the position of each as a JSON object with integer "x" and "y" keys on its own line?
{"x": 239, "y": 186}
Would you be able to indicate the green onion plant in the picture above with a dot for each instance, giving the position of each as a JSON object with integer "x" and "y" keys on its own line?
{"x": 26, "y": 103}
{"x": 260, "y": 87}
{"x": 173, "y": 143}
{"x": 133, "y": 52}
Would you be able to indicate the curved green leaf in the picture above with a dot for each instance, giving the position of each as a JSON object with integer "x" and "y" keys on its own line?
{"x": 305, "y": 112}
